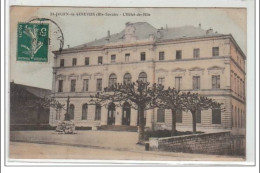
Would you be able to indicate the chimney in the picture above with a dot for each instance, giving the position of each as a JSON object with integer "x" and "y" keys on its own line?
{"x": 166, "y": 27}
{"x": 159, "y": 34}
{"x": 161, "y": 28}
{"x": 68, "y": 46}
{"x": 209, "y": 31}
{"x": 108, "y": 34}
{"x": 199, "y": 25}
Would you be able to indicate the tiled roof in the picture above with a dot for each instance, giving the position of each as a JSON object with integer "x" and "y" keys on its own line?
{"x": 144, "y": 30}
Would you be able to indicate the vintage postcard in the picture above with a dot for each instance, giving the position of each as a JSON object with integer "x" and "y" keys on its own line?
{"x": 143, "y": 84}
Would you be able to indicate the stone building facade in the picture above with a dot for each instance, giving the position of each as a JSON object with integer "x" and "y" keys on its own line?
{"x": 187, "y": 58}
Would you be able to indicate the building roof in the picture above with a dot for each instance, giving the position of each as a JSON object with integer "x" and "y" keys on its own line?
{"x": 38, "y": 92}
{"x": 144, "y": 31}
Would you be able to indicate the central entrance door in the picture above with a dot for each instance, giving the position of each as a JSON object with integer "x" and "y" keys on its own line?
{"x": 126, "y": 114}
{"x": 111, "y": 114}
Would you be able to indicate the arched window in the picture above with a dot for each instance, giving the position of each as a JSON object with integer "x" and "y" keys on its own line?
{"x": 112, "y": 79}
{"x": 71, "y": 111}
{"x": 142, "y": 77}
{"x": 84, "y": 111}
{"x": 160, "y": 115}
{"x": 127, "y": 78}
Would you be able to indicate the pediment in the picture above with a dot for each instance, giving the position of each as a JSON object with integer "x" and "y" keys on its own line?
{"x": 85, "y": 75}
{"x": 216, "y": 68}
{"x": 73, "y": 75}
{"x": 61, "y": 76}
{"x": 161, "y": 71}
{"x": 196, "y": 69}
{"x": 98, "y": 74}
{"x": 179, "y": 70}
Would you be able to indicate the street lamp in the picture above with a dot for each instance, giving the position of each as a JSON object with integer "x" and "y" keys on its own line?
{"x": 67, "y": 115}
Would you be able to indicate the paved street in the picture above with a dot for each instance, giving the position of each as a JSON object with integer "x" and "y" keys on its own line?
{"x": 20, "y": 150}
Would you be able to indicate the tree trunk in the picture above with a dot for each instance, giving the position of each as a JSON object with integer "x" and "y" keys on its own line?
{"x": 174, "y": 122}
{"x": 193, "y": 121}
{"x": 141, "y": 125}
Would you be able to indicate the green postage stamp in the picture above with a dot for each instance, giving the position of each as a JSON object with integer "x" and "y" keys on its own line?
{"x": 32, "y": 43}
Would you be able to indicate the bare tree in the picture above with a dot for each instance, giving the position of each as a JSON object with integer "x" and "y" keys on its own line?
{"x": 169, "y": 99}
{"x": 139, "y": 95}
{"x": 194, "y": 102}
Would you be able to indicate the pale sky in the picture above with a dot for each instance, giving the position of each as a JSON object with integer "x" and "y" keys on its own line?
{"x": 81, "y": 29}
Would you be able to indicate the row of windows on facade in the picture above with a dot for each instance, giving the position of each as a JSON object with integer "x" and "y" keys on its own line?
{"x": 216, "y": 114}
{"x": 196, "y": 54}
{"x": 142, "y": 77}
{"x": 238, "y": 116}
{"x": 84, "y": 112}
{"x": 237, "y": 85}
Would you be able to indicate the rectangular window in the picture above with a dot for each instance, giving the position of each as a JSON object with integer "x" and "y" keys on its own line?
{"x": 198, "y": 116}
{"x": 100, "y": 60}
{"x": 178, "y": 116}
{"x": 216, "y": 116}
{"x": 160, "y": 115}
{"x": 73, "y": 85}
{"x": 215, "y": 51}
{"x": 161, "y": 56}
{"x": 60, "y": 89}
{"x": 161, "y": 80}
{"x": 196, "y": 53}
{"x": 74, "y": 61}
{"x": 98, "y": 112}
{"x": 127, "y": 56}
{"x": 215, "y": 81}
{"x": 62, "y": 63}
{"x": 99, "y": 84}
{"x": 196, "y": 82}
{"x": 178, "y": 83}
{"x": 85, "y": 85}
{"x": 86, "y": 60}
{"x": 142, "y": 56}
{"x": 113, "y": 58}
{"x": 178, "y": 54}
